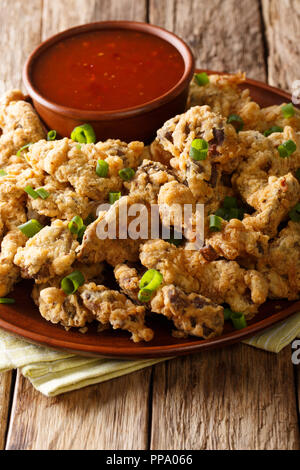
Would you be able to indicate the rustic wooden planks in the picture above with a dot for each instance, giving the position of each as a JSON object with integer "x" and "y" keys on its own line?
{"x": 5, "y": 387}
{"x": 224, "y": 35}
{"x": 112, "y": 415}
{"x": 282, "y": 24}
{"x": 234, "y": 398}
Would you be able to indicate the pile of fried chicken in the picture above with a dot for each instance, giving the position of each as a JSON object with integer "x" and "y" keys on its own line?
{"x": 248, "y": 260}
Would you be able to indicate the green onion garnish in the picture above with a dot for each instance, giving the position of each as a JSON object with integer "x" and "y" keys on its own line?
{"x": 295, "y": 213}
{"x": 144, "y": 295}
{"x": 288, "y": 110}
{"x": 272, "y": 130}
{"x": 229, "y": 202}
{"x": 81, "y": 233}
{"x": 215, "y": 223}
{"x": 23, "y": 148}
{"x": 32, "y": 193}
{"x": 70, "y": 283}
{"x": 227, "y": 314}
{"x": 6, "y": 300}
{"x": 238, "y": 320}
{"x": 30, "y": 228}
{"x": 3, "y": 173}
{"x": 234, "y": 213}
{"x": 202, "y": 78}
{"x": 199, "y": 149}
{"x": 102, "y": 168}
{"x": 151, "y": 280}
{"x": 42, "y": 193}
{"x": 75, "y": 225}
{"x": 51, "y": 135}
{"x": 298, "y": 174}
{"x": 287, "y": 148}
{"x": 221, "y": 212}
{"x": 113, "y": 197}
{"x": 126, "y": 174}
{"x": 236, "y": 121}
{"x": 84, "y": 134}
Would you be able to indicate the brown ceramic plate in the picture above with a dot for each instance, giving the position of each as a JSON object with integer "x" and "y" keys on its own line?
{"x": 23, "y": 318}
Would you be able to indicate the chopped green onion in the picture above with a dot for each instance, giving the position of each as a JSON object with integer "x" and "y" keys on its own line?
{"x": 199, "y": 149}
{"x": 229, "y": 202}
{"x": 221, "y": 212}
{"x": 238, "y": 320}
{"x": 151, "y": 280}
{"x": 234, "y": 213}
{"x": 295, "y": 213}
{"x": 113, "y": 197}
{"x": 227, "y": 314}
{"x": 236, "y": 121}
{"x": 42, "y": 193}
{"x": 30, "y": 228}
{"x": 29, "y": 190}
{"x": 23, "y": 148}
{"x": 298, "y": 174}
{"x": 272, "y": 130}
{"x": 6, "y": 300}
{"x": 202, "y": 78}
{"x": 102, "y": 168}
{"x": 84, "y": 134}
{"x": 215, "y": 223}
{"x": 287, "y": 148}
{"x": 81, "y": 233}
{"x": 75, "y": 225}
{"x": 126, "y": 174}
{"x": 144, "y": 295}
{"x": 288, "y": 110}
{"x": 51, "y": 135}
{"x": 70, "y": 283}
{"x": 3, "y": 173}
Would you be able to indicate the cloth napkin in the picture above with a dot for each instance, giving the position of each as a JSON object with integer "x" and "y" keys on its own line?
{"x": 54, "y": 372}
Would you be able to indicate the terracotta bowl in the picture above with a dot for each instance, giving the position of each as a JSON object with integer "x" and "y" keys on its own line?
{"x": 138, "y": 123}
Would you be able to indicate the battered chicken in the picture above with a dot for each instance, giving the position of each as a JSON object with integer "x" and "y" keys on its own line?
{"x": 9, "y": 272}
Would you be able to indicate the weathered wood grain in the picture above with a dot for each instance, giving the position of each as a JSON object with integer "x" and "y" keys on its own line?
{"x": 282, "y": 26}
{"x": 234, "y": 398}
{"x": 224, "y": 35}
{"x": 20, "y": 31}
{"x": 58, "y": 15}
{"x": 5, "y": 387}
{"x": 112, "y": 415}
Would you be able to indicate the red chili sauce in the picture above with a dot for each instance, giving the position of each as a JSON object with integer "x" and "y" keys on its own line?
{"x": 107, "y": 70}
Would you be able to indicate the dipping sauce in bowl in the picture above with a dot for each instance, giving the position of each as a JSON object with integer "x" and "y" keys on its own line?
{"x": 107, "y": 70}
{"x": 124, "y": 78}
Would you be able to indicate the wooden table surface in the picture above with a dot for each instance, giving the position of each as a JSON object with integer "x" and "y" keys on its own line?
{"x": 234, "y": 398}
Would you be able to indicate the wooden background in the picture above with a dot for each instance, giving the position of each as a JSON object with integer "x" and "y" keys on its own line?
{"x": 235, "y": 398}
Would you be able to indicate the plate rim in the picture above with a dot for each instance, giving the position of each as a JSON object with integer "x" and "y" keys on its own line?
{"x": 147, "y": 351}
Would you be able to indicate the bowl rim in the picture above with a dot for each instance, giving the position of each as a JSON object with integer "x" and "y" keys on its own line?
{"x": 93, "y": 115}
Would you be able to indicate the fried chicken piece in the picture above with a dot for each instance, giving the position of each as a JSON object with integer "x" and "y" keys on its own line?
{"x": 118, "y": 245}
{"x": 49, "y": 253}
{"x": 109, "y": 306}
{"x": 63, "y": 202}
{"x": 148, "y": 180}
{"x": 9, "y": 273}
{"x": 177, "y": 135}
{"x": 265, "y": 118}
{"x": 131, "y": 154}
{"x": 158, "y": 154}
{"x": 19, "y": 123}
{"x": 222, "y": 94}
{"x": 273, "y": 203}
{"x": 221, "y": 281}
{"x": 76, "y": 164}
{"x": 281, "y": 265}
{"x": 12, "y": 204}
{"x": 191, "y": 314}
{"x": 237, "y": 240}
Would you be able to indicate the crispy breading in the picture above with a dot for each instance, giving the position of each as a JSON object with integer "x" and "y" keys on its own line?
{"x": 158, "y": 154}
{"x": 111, "y": 307}
{"x": 131, "y": 154}
{"x": 49, "y": 253}
{"x": 9, "y": 273}
{"x": 19, "y": 123}
{"x": 221, "y": 281}
{"x": 281, "y": 265}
